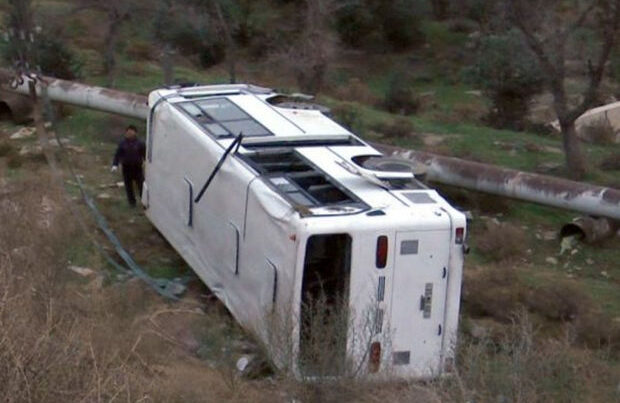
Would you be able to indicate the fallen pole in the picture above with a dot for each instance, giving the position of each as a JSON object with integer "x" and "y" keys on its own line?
{"x": 85, "y": 96}
{"x": 547, "y": 190}
{"x": 551, "y": 191}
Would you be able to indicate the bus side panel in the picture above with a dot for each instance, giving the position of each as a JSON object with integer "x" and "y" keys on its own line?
{"x": 182, "y": 160}
{"x": 271, "y": 242}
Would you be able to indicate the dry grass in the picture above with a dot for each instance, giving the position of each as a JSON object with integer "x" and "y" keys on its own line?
{"x": 501, "y": 241}
{"x": 355, "y": 91}
{"x": 559, "y": 300}
{"x": 599, "y": 131}
{"x": 63, "y": 339}
{"x": 492, "y": 291}
{"x": 399, "y": 128}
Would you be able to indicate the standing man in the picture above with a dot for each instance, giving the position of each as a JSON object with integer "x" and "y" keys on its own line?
{"x": 130, "y": 154}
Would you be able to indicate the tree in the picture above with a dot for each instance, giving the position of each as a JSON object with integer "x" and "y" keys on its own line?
{"x": 548, "y": 26}
{"x": 440, "y": 8}
{"x": 311, "y": 54}
{"x": 21, "y": 32}
{"x": 222, "y": 14}
{"x": 163, "y": 33}
{"x": 117, "y": 13}
{"x": 509, "y": 78}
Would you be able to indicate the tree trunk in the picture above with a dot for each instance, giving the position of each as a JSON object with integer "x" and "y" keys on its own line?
{"x": 109, "y": 49}
{"x": 440, "y": 9}
{"x": 575, "y": 160}
{"x": 167, "y": 64}
{"x": 231, "y": 47}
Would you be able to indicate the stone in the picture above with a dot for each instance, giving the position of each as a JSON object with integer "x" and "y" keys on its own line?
{"x": 103, "y": 196}
{"x": 23, "y": 133}
{"x": 589, "y": 261}
{"x": 82, "y": 271}
{"x": 551, "y": 260}
{"x": 548, "y": 167}
{"x": 476, "y": 93}
{"x": 478, "y": 331}
{"x": 549, "y": 235}
{"x": 97, "y": 283}
{"x": 30, "y": 149}
{"x": 243, "y": 362}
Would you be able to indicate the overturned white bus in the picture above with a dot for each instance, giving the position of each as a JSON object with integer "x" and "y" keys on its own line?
{"x": 273, "y": 205}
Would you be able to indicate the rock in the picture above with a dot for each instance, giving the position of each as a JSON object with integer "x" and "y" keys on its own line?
{"x": 605, "y": 274}
{"x": 476, "y": 93}
{"x": 244, "y": 362}
{"x": 548, "y": 167}
{"x": 120, "y": 184}
{"x": 549, "y": 235}
{"x": 103, "y": 196}
{"x": 175, "y": 288}
{"x": 551, "y": 260}
{"x": 23, "y": 133}
{"x": 433, "y": 139}
{"x": 30, "y": 149}
{"x": 97, "y": 283}
{"x": 82, "y": 271}
{"x": 567, "y": 244}
{"x": 75, "y": 149}
{"x": 589, "y": 261}
{"x": 533, "y": 147}
{"x": 574, "y": 251}
{"x": 478, "y": 332}
{"x": 553, "y": 150}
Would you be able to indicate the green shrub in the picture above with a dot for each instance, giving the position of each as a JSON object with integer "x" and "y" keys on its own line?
{"x": 51, "y": 54}
{"x": 400, "y": 23}
{"x": 5, "y": 149}
{"x": 354, "y": 22}
{"x": 501, "y": 241}
{"x": 346, "y": 115}
{"x": 508, "y": 73}
{"x": 399, "y": 97}
{"x": 400, "y": 128}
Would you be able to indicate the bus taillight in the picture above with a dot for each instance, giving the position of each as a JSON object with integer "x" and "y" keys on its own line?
{"x": 374, "y": 359}
{"x": 382, "y": 251}
{"x": 459, "y": 236}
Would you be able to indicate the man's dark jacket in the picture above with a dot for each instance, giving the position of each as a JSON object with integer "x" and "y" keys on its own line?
{"x": 130, "y": 153}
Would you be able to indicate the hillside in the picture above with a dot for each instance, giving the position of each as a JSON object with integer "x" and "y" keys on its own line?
{"x": 540, "y": 319}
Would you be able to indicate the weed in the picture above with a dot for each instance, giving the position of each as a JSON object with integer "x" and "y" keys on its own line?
{"x": 399, "y": 97}
{"x": 355, "y": 91}
{"x": 5, "y": 149}
{"x": 597, "y": 330}
{"x": 501, "y": 241}
{"x": 494, "y": 292}
{"x": 139, "y": 50}
{"x": 611, "y": 163}
{"x": 14, "y": 161}
{"x": 599, "y": 131}
{"x": 558, "y": 301}
{"x": 347, "y": 115}
{"x": 400, "y": 128}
